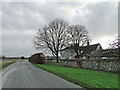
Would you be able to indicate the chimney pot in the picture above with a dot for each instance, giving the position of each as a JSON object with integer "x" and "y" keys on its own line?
{"x": 88, "y": 43}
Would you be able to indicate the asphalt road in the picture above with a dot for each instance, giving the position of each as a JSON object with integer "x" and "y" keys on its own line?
{"x": 25, "y": 75}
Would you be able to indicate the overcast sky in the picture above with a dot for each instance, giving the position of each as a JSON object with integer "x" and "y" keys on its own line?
{"x": 21, "y": 20}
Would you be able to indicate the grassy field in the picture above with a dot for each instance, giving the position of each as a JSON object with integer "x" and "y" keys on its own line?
{"x": 83, "y": 77}
{"x": 5, "y": 62}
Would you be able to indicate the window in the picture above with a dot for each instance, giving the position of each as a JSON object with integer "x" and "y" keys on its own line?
{"x": 68, "y": 57}
{"x": 83, "y": 57}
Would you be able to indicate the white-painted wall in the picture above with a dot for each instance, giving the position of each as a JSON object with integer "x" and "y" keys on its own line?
{"x": 68, "y": 54}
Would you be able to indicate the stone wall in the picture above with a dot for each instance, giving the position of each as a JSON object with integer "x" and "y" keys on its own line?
{"x": 110, "y": 66}
{"x": 69, "y": 63}
{"x": 104, "y": 65}
{"x": 89, "y": 64}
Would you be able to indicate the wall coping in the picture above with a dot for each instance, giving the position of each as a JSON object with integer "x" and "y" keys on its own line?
{"x": 104, "y": 60}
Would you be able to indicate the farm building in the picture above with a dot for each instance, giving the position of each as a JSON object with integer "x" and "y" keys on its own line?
{"x": 37, "y": 58}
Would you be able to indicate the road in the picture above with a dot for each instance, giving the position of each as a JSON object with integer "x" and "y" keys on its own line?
{"x": 25, "y": 75}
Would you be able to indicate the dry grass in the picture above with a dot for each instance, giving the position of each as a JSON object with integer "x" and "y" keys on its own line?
{"x": 5, "y": 62}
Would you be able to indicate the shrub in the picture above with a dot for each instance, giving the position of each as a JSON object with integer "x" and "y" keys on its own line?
{"x": 22, "y": 57}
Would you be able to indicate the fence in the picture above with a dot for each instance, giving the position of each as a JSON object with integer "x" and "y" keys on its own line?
{"x": 104, "y": 65}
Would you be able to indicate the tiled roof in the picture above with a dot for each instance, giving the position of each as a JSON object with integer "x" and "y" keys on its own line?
{"x": 39, "y": 54}
{"x": 88, "y": 49}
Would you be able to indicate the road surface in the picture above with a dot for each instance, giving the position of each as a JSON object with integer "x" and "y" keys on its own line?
{"x": 25, "y": 75}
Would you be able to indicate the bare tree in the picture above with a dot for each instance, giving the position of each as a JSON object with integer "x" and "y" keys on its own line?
{"x": 53, "y": 37}
{"x": 116, "y": 43}
{"x": 79, "y": 37}
{"x": 114, "y": 46}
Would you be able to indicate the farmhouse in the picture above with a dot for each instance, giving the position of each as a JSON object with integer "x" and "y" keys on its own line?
{"x": 85, "y": 51}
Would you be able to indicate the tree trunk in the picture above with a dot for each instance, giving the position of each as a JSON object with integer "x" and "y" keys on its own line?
{"x": 77, "y": 55}
{"x": 57, "y": 59}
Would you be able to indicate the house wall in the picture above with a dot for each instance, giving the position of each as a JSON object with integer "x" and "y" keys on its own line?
{"x": 67, "y": 54}
{"x": 83, "y": 57}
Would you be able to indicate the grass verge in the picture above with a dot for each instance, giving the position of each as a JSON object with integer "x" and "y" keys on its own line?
{"x": 6, "y": 62}
{"x": 83, "y": 77}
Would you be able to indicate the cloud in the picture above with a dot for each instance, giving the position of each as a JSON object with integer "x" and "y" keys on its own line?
{"x": 99, "y": 18}
{"x": 22, "y": 19}
{"x": 119, "y": 17}
{"x": 0, "y": 29}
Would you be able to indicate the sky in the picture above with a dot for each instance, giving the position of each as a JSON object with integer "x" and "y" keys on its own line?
{"x": 21, "y": 20}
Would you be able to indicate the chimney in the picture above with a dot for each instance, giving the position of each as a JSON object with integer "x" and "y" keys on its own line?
{"x": 88, "y": 43}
